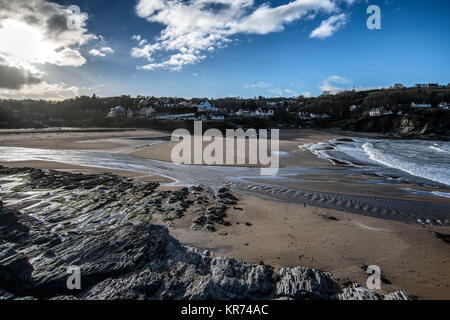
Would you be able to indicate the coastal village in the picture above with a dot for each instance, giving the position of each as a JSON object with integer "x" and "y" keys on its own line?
{"x": 204, "y": 111}
{"x": 297, "y": 108}
{"x": 393, "y": 102}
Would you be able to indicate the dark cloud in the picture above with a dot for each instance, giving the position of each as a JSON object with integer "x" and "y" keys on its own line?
{"x": 30, "y": 19}
{"x": 15, "y": 78}
{"x": 57, "y": 24}
{"x": 49, "y": 17}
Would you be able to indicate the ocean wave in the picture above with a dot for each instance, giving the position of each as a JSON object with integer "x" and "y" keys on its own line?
{"x": 422, "y": 170}
{"x": 436, "y": 148}
{"x": 422, "y": 159}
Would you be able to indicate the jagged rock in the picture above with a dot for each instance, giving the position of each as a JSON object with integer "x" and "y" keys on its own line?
{"x": 226, "y": 197}
{"x": 142, "y": 261}
{"x": 304, "y": 283}
{"x": 102, "y": 196}
{"x": 4, "y": 295}
{"x": 355, "y": 292}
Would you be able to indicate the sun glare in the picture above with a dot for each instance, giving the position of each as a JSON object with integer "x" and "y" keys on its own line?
{"x": 25, "y": 43}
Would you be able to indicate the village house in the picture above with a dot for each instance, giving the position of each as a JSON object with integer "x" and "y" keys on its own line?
{"x": 146, "y": 112}
{"x": 353, "y": 108}
{"x": 260, "y": 113}
{"x": 376, "y": 112}
{"x": 243, "y": 113}
{"x": 444, "y": 105}
{"x": 116, "y": 112}
{"x": 205, "y": 107}
{"x": 304, "y": 115}
{"x": 184, "y": 104}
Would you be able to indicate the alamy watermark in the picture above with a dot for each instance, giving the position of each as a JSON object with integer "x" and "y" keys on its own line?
{"x": 250, "y": 147}
{"x": 74, "y": 19}
{"x": 74, "y": 280}
{"x": 374, "y": 21}
{"x": 374, "y": 280}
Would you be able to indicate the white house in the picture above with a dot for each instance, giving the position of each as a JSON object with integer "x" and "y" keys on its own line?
{"x": 444, "y": 105}
{"x": 260, "y": 113}
{"x": 146, "y": 112}
{"x": 117, "y": 112}
{"x": 353, "y": 108}
{"x": 376, "y": 112}
{"x": 243, "y": 113}
{"x": 304, "y": 115}
{"x": 205, "y": 106}
{"x": 420, "y": 105}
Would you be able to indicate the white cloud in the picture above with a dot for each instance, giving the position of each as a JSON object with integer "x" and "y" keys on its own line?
{"x": 102, "y": 52}
{"x": 107, "y": 50}
{"x": 306, "y": 94}
{"x": 194, "y": 28}
{"x": 69, "y": 58}
{"x": 329, "y": 26}
{"x": 36, "y": 32}
{"x": 271, "y": 89}
{"x": 96, "y": 53}
{"x": 136, "y": 37}
{"x": 336, "y": 84}
{"x": 260, "y": 84}
{"x": 329, "y": 84}
{"x": 290, "y": 92}
{"x": 41, "y": 90}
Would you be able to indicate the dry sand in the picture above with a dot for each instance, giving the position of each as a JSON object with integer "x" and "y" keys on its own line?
{"x": 289, "y": 142}
{"x": 73, "y": 139}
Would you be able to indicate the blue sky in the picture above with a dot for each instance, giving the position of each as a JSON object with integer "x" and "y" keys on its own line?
{"x": 229, "y": 48}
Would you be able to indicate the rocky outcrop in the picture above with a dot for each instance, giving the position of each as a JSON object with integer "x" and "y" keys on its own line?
{"x": 422, "y": 125}
{"x": 104, "y": 200}
{"x": 142, "y": 261}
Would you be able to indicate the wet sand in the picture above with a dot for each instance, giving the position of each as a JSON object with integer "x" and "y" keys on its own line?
{"x": 75, "y": 139}
{"x": 289, "y": 142}
{"x": 52, "y": 165}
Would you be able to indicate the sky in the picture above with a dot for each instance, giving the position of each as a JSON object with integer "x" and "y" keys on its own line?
{"x": 218, "y": 48}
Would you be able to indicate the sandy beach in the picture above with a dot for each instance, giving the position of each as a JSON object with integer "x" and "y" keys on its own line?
{"x": 74, "y": 139}
{"x": 411, "y": 256}
{"x": 289, "y": 142}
